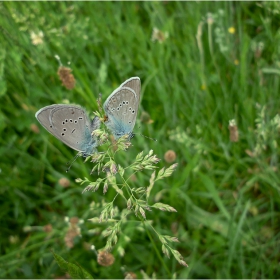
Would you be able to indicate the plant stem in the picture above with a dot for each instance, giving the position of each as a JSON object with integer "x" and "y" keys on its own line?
{"x": 156, "y": 250}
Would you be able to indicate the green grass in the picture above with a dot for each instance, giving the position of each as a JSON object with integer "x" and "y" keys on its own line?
{"x": 227, "y": 201}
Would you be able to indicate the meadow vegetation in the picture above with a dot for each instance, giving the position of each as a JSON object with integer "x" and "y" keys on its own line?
{"x": 210, "y": 80}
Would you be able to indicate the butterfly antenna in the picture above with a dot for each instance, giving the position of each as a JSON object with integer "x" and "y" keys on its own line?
{"x": 146, "y": 136}
{"x": 71, "y": 163}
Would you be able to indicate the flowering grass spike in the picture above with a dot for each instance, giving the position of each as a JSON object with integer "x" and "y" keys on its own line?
{"x": 114, "y": 175}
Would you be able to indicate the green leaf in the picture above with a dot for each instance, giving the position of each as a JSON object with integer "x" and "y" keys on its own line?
{"x": 75, "y": 271}
{"x": 271, "y": 71}
{"x": 102, "y": 73}
{"x": 60, "y": 261}
{"x": 3, "y": 86}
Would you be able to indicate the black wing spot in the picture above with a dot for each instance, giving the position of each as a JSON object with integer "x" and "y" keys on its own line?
{"x": 123, "y": 102}
{"x": 70, "y": 120}
{"x": 75, "y": 121}
{"x": 62, "y": 134}
{"x": 80, "y": 118}
{"x": 133, "y": 112}
{"x": 120, "y": 105}
{"x": 66, "y": 120}
{"x": 73, "y": 130}
{"x": 118, "y": 109}
{"x": 129, "y": 122}
{"x": 130, "y": 109}
{"x": 64, "y": 129}
{"x": 63, "y": 122}
{"x": 113, "y": 110}
{"x": 126, "y": 102}
{"x": 50, "y": 126}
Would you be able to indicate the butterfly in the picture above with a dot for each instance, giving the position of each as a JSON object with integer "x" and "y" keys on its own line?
{"x": 121, "y": 108}
{"x": 71, "y": 125}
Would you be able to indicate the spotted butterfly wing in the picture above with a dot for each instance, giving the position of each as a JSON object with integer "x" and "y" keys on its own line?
{"x": 135, "y": 84}
{"x": 71, "y": 125}
{"x": 121, "y": 109}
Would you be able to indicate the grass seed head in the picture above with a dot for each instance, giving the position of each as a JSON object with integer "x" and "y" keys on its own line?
{"x": 170, "y": 156}
{"x": 233, "y": 129}
{"x": 105, "y": 258}
{"x": 159, "y": 35}
{"x": 64, "y": 182}
{"x": 130, "y": 275}
{"x": 71, "y": 233}
{"x": 66, "y": 77}
{"x": 37, "y": 39}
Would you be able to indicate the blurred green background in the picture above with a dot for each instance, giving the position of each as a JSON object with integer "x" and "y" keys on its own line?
{"x": 201, "y": 64}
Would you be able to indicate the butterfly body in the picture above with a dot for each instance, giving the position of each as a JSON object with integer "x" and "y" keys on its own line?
{"x": 121, "y": 108}
{"x": 71, "y": 125}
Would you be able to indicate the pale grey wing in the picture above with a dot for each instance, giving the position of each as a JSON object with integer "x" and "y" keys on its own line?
{"x": 95, "y": 123}
{"x": 113, "y": 93}
{"x": 72, "y": 126}
{"x": 43, "y": 116}
{"x": 133, "y": 83}
{"x": 121, "y": 109}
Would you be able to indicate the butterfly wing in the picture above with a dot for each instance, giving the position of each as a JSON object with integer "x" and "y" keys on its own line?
{"x": 121, "y": 109}
{"x": 135, "y": 84}
{"x": 95, "y": 124}
{"x": 43, "y": 116}
{"x": 70, "y": 124}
